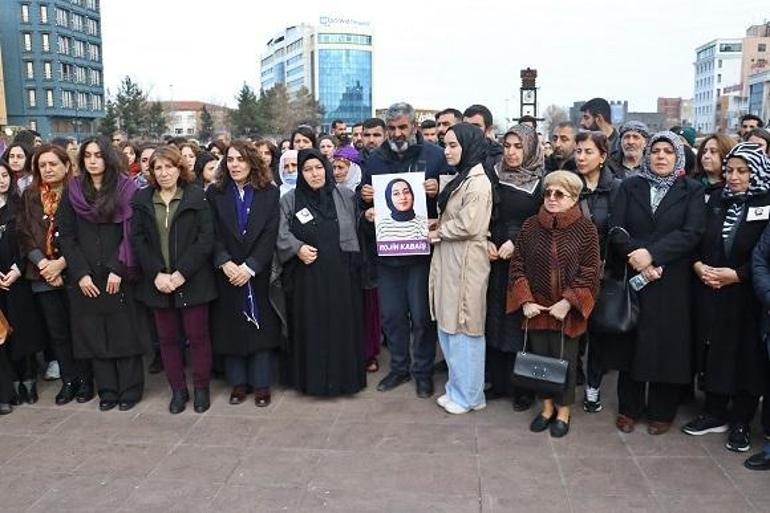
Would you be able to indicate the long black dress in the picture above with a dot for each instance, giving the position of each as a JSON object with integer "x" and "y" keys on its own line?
{"x": 503, "y": 331}
{"x": 18, "y": 305}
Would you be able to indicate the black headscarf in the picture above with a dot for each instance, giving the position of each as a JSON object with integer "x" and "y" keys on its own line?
{"x": 395, "y": 213}
{"x": 320, "y": 202}
{"x": 474, "y": 144}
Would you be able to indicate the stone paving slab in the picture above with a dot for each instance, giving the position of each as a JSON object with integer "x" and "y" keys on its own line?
{"x": 375, "y": 452}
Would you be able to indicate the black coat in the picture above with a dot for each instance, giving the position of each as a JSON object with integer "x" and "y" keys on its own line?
{"x": 231, "y": 333}
{"x": 109, "y": 325}
{"x": 191, "y": 243}
{"x": 660, "y": 349}
{"x": 730, "y": 349}
{"x": 503, "y": 331}
{"x": 596, "y": 204}
{"x": 18, "y": 303}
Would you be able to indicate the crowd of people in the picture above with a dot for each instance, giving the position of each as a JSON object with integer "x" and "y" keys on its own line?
{"x": 258, "y": 259}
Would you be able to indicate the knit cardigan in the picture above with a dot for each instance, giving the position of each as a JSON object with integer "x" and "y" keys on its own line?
{"x": 556, "y": 256}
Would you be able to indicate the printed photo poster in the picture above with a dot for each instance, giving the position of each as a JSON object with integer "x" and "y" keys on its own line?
{"x": 400, "y": 214}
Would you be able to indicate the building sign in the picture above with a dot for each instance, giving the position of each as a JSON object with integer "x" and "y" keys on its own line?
{"x": 326, "y": 21}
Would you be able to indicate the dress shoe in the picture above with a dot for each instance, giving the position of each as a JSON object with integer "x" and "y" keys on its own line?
{"x": 424, "y": 387}
{"x": 156, "y": 365}
{"x": 107, "y": 404}
{"x": 392, "y": 380}
{"x": 625, "y": 423}
{"x": 5, "y": 408}
{"x": 559, "y": 428}
{"x": 523, "y": 402}
{"x": 759, "y": 461}
{"x": 31, "y": 388}
{"x": 201, "y": 400}
{"x": 262, "y": 397}
{"x": 68, "y": 391}
{"x": 179, "y": 400}
{"x": 658, "y": 428}
{"x": 85, "y": 391}
{"x": 541, "y": 422}
{"x": 238, "y": 395}
{"x": 126, "y": 405}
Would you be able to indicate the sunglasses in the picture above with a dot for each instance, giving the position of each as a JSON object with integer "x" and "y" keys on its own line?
{"x": 556, "y": 194}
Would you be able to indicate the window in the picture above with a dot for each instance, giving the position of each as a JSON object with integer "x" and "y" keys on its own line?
{"x": 96, "y": 102}
{"x": 82, "y": 100}
{"x": 719, "y": 63}
{"x": 67, "y": 100}
{"x": 93, "y": 52}
{"x": 30, "y": 70}
{"x": 77, "y": 22}
{"x": 33, "y": 125}
{"x": 348, "y": 39}
{"x": 96, "y": 77}
{"x": 47, "y": 70}
{"x": 730, "y": 47}
{"x": 49, "y": 97}
{"x": 178, "y": 131}
{"x": 92, "y": 27}
{"x": 719, "y": 78}
{"x": 762, "y": 47}
{"x": 79, "y": 49}
{"x": 24, "y": 13}
{"x": 27, "y": 42}
{"x": 46, "y": 43}
{"x": 80, "y": 75}
{"x": 66, "y": 73}
{"x": 92, "y": 4}
{"x": 61, "y": 17}
{"x": 43, "y": 14}
{"x": 296, "y": 45}
{"x": 64, "y": 45}
{"x": 32, "y": 97}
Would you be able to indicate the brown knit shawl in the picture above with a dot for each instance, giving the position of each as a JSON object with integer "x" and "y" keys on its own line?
{"x": 556, "y": 256}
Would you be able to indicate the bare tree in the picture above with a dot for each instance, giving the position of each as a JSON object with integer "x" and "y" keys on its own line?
{"x": 553, "y": 115}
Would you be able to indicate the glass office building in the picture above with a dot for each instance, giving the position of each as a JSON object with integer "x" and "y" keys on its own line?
{"x": 345, "y": 84}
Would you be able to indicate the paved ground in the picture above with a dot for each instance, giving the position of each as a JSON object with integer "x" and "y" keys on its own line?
{"x": 372, "y": 453}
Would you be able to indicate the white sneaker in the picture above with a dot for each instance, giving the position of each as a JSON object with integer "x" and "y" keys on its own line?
{"x": 52, "y": 372}
{"x": 455, "y": 409}
{"x": 442, "y": 400}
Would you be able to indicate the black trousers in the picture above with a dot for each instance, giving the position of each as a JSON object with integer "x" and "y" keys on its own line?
{"x": 658, "y": 401}
{"x": 7, "y": 377}
{"x": 499, "y": 365}
{"x": 55, "y": 310}
{"x": 744, "y": 406}
{"x": 253, "y": 370}
{"x": 119, "y": 379}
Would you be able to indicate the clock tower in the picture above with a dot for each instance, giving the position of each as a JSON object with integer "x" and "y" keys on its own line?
{"x": 528, "y": 93}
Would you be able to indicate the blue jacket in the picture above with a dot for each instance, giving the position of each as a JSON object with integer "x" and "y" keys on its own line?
{"x": 760, "y": 279}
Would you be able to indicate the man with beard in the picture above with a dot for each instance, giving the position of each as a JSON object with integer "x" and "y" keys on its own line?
{"x": 403, "y": 281}
{"x": 340, "y": 130}
{"x": 595, "y": 115}
{"x": 445, "y": 119}
{"x": 372, "y": 137}
{"x": 563, "y": 143}
{"x": 481, "y": 116}
{"x": 357, "y": 136}
{"x": 633, "y": 139}
{"x": 748, "y": 123}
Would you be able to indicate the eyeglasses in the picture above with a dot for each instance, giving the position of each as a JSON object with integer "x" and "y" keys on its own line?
{"x": 556, "y": 194}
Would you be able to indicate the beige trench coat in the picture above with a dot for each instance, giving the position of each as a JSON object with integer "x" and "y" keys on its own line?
{"x": 459, "y": 269}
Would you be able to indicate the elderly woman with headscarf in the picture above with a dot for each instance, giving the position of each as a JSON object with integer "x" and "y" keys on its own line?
{"x": 347, "y": 171}
{"x": 663, "y": 213}
{"x": 730, "y": 350}
{"x": 318, "y": 246}
{"x": 459, "y": 269}
{"x": 287, "y": 168}
{"x": 520, "y": 192}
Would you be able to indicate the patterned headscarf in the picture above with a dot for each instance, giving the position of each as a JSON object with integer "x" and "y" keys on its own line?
{"x": 759, "y": 183}
{"x": 532, "y": 165}
{"x": 661, "y": 184}
{"x": 634, "y": 126}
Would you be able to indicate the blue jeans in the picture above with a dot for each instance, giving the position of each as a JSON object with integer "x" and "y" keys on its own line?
{"x": 464, "y": 356}
{"x": 251, "y": 370}
{"x": 404, "y": 311}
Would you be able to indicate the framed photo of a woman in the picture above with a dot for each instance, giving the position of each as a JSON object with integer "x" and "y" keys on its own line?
{"x": 400, "y": 214}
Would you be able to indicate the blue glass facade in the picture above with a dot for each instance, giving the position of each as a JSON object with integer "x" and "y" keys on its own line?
{"x": 756, "y": 94}
{"x": 345, "y": 84}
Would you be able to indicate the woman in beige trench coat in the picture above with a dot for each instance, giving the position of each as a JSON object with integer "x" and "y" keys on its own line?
{"x": 460, "y": 266}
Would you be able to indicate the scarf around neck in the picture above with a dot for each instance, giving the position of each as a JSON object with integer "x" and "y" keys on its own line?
{"x": 242, "y": 211}
{"x": 532, "y": 165}
{"x": 759, "y": 183}
{"x": 661, "y": 184}
{"x": 49, "y": 199}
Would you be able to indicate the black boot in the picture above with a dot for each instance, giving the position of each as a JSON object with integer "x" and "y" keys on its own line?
{"x": 179, "y": 400}
{"x": 85, "y": 391}
{"x": 30, "y": 386}
{"x": 18, "y": 398}
{"x": 69, "y": 390}
{"x": 202, "y": 400}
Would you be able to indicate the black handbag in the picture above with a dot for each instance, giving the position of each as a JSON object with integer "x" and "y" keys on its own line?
{"x": 543, "y": 374}
{"x": 616, "y": 310}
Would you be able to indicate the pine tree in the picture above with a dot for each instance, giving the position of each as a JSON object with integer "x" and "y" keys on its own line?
{"x": 109, "y": 123}
{"x": 156, "y": 121}
{"x": 131, "y": 107}
{"x": 207, "y": 125}
{"x": 246, "y": 119}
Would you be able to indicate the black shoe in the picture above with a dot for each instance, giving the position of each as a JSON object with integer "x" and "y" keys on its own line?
{"x": 5, "y": 408}
{"x": 392, "y": 380}
{"x": 202, "y": 400}
{"x": 424, "y": 387}
{"x": 156, "y": 366}
{"x": 31, "y": 388}
{"x": 703, "y": 425}
{"x": 559, "y": 428}
{"x": 126, "y": 405}
{"x": 179, "y": 400}
{"x": 739, "y": 439}
{"x": 21, "y": 395}
{"x": 85, "y": 391}
{"x": 523, "y": 402}
{"x": 15, "y": 400}
{"x": 759, "y": 461}
{"x": 67, "y": 392}
{"x": 541, "y": 423}
{"x": 107, "y": 404}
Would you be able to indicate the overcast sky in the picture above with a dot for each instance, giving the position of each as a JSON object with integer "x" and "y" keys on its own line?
{"x": 429, "y": 53}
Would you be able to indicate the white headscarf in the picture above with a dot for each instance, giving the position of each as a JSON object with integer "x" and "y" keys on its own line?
{"x": 286, "y": 187}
